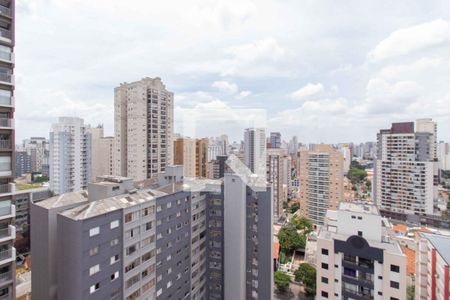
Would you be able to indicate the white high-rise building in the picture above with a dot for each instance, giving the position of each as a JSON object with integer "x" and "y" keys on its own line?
{"x": 255, "y": 150}
{"x": 405, "y": 170}
{"x": 143, "y": 124}
{"x": 443, "y": 153}
{"x": 70, "y": 155}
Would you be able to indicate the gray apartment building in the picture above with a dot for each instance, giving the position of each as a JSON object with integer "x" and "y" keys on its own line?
{"x": 167, "y": 241}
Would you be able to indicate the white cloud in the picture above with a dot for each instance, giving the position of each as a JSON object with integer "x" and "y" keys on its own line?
{"x": 244, "y": 94}
{"x": 416, "y": 68}
{"x": 410, "y": 39}
{"x": 307, "y": 91}
{"x": 225, "y": 86}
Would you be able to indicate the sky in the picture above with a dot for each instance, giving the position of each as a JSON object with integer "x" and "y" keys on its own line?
{"x": 325, "y": 71}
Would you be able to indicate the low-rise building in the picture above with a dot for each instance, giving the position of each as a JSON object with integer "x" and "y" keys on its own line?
{"x": 432, "y": 267}
{"x": 355, "y": 257}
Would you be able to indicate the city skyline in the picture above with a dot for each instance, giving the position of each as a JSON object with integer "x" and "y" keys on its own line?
{"x": 336, "y": 81}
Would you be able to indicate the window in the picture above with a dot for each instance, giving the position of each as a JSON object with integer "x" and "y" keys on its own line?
{"x": 169, "y": 284}
{"x": 94, "y": 231}
{"x": 114, "y": 259}
{"x": 93, "y": 251}
{"x": 94, "y": 288}
{"x": 360, "y": 233}
{"x": 158, "y": 293}
{"x": 114, "y": 242}
{"x": 395, "y": 284}
{"x": 324, "y": 251}
{"x": 114, "y": 224}
{"x": 325, "y": 266}
{"x": 393, "y": 298}
{"x": 148, "y": 226}
{"x": 395, "y": 268}
{"x": 324, "y": 294}
{"x": 359, "y": 218}
{"x": 169, "y": 204}
{"x": 324, "y": 280}
{"x": 114, "y": 276}
{"x": 131, "y": 249}
{"x": 94, "y": 269}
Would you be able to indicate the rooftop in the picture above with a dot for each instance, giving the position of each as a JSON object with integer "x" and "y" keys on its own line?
{"x": 102, "y": 206}
{"x": 359, "y": 207}
{"x": 441, "y": 243}
{"x": 64, "y": 200}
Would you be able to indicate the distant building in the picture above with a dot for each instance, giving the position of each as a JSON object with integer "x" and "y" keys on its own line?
{"x": 143, "y": 127}
{"x": 275, "y": 140}
{"x": 279, "y": 174}
{"x": 38, "y": 149}
{"x": 218, "y": 167}
{"x": 356, "y": 259}
{"x": 432, "y": 267}
{"x": 23, "y": 163}
{"x": 70, "y": 155}
{"x": 102, "y": 149}
{"x": 443, "y": 153}
{"x": 406, "y": 170}
{"x": 255, "y": 150}
{"x": 192, "y": 154}
{"x": 321, "y": 181}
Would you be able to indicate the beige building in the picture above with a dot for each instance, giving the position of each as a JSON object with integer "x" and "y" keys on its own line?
{"x": 184, "y": 155}
{"x": 192, "y": 154}
{"x": 321, "y": 181}
{"x": 102, "y": 153}
{"x": 355, "y": 257}
{"x": 143, "y": 124}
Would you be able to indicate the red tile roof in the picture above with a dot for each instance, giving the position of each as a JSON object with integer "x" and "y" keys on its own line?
{"x": 400, "y": 228}
{"x": 410, "y": 260}
{"x": 276, "y": 250}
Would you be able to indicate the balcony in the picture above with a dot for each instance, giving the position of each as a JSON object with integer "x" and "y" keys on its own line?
{"x": 5, "y": 188}
{"x": 5, "y": 11}
{"x": 360, "y": 294}
{"x": 6, "y": 101}
{"x": 6, "y": 34}
{"x": 6, "y": 122}
{"x": 8, "y": 234}
{"x": 7, "y": 256}
{"x": 6, "y": 56}
{"x": 6, "y": 78}
{"x": 7, "y": 212}
{"x": 5, "y": 144}
{"x": 5, "y": 297}
{"x": 5, "y": 278}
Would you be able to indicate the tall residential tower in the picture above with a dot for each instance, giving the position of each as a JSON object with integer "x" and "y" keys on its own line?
{"x": 7, "y": 149}
{"x": 70, "y": 156}
{"x": 143, "y": 124}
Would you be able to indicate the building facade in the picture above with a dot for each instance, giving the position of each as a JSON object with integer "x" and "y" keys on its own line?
{"x": 278, "y": 173}
{"x": 432, "y": 267}
{"x": 23, "y": 163}
{"x": 356, "y": 259}
{"x": 406, "y": 170}
{"x": 38, "y": 150}
{"x": 143, "y": 126}
{"x": 185, "y": 155}
{"x": 321, "y": 181}
{"x": 70, "y": 155}
{"x": 102, "y": 148}
{"x": 7, "y": 149}
{"x": 275, "y": 140}
{"x": 165, "y": 242}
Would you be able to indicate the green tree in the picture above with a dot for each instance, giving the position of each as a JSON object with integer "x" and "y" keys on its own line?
{"x": 41, "y": 179}
{"x": 290, "y": 239}
{"x": 303, "y": 223}
{"x": 410, "y": 292}
{"x": 285, "y": 205}
{"x": 294, "y": 207}
{"x": 282, "y": 281}
{"x": 356, "y": 175}
{"x": 306, "y": 273}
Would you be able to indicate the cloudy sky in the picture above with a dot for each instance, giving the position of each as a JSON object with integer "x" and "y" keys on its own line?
{"x": 326, "y": 71}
